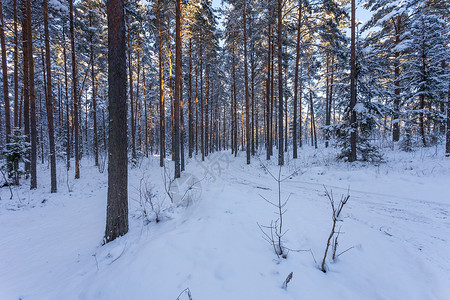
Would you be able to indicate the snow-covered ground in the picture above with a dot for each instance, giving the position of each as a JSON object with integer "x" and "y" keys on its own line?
{"x": 396, "y": 224}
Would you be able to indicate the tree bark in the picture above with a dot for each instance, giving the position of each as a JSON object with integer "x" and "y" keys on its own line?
{"x": 33, "y": 127}
{"x": 297, "y": 62}
{"x": 190, "y": 116}
{"x": 75, "y": 93}
{"x": 117, "y": 208}
{"x": 247, "y": 107}
{"x": 49, "y": 102}
{"x": 94, "y": 95}
{"x": 280, "y": 86}
{"x": 162, "y": 130}
{"x": 66, "y": 85}
{"x": 396, "y": 125}
{"x": 16, "y": 68}
{"x": 353, "y": 123}
{"x": 177, "y": 100}
{"x": 202, "y": 127}
{"x": 5, "y": 75}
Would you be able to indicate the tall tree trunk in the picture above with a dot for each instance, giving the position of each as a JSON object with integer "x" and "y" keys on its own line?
{"x": 75, "y": 93}
{"x": 146, "y": 103}
{"x": 297, "y": 62}
{"x": 196, "y": 111}
{"x": 5, "y": 75}
{"x": 353, "y": 123}
{"x": 206, "y": 109}
{"x": 16, "y": 68}
{"x": 327, "y": 98}
{"x": 178, "y": 74}
{"x": 162, "y": 130}
{"x": 117, "y": 208}
{"x": 49, "y": 102}
{"x": 202, "y": 127}
{"x": 94, "y": 95}
{"x": 268, "y": 121}
{"x": 447, "y": 135}
{"x": 247, "y": 107}
{"x": 313, "y": 122}
{"x": 253, "y": 98}
{"x": 396, "y": 114}
{"x": 132, "y": 117}
{"x": 171, "y": 88}
{"x": 190, "y": 117}
{"x": 234, "y": 117}
{"x": 33, "y": 128}
{"x": 422, "y": 100}
{"x": 280, "y": 86}
{"x": 26, "y": 90}
{"x": 66, "y": 85}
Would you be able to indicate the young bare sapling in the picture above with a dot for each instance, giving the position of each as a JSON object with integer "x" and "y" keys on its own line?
{"x": 150, "y": 205}
{"x": 274, "y": 233}
{"x": 334, "y": 235}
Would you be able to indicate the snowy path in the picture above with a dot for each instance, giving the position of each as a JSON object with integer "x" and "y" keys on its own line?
{"x": 397, "y": 222}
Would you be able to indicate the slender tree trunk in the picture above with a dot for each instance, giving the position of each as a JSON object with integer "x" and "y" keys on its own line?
{"x": 94, "y": 95}
{"x": 190, "y": 117}
{"x": 396, "y": 114}
{"x": 146, "y": 103}
{"x": 422, "y": 101}
{"x": 26, "y": 84}
{"x": 162, "y": 140}
{"x": 313, "y": 122}
{"x": 447, "y": 136}
{"x": 235, "y": 120}
{"x": 171, "y": 88}
{"x": 33, "y": 127}
{"x": 253, "y": 98}
{"x": 272, "y": 96}
{"x": 75, "y": 93}
{"x": 202, "y": 127}
{"x": 132, "y": 117}
{"x": 16, "y": 68}
{"x": 66, "y": 85}
{"x": 196, "y": 111}
{"x": 206, "y": 110}
{"x": 178, "y": 74}
{"x": 268, "y": 121}
{"x": 280, "y": 86}
{"x": 297, "y": 63}
{"x": 5, "y": 75}
{"x": 327, "y": 99}
{"x": 353, "y": 123}
{"x": 247, "y": 107}
{"x": 49, "y": 102}
{"x": 117, "y": 208}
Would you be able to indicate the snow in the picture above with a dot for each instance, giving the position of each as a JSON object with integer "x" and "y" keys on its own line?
{"x": 397, "y": 221}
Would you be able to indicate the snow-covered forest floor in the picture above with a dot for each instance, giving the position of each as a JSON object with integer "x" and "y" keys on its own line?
{"x": 396, "y": 224}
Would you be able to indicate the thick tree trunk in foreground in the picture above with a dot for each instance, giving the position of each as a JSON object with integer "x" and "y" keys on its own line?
{"x": 176, "y": 133}
{"x": 117, "y": 208}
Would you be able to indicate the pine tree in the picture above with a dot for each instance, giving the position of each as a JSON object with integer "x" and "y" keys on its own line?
{"x": 117, "y": 208}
